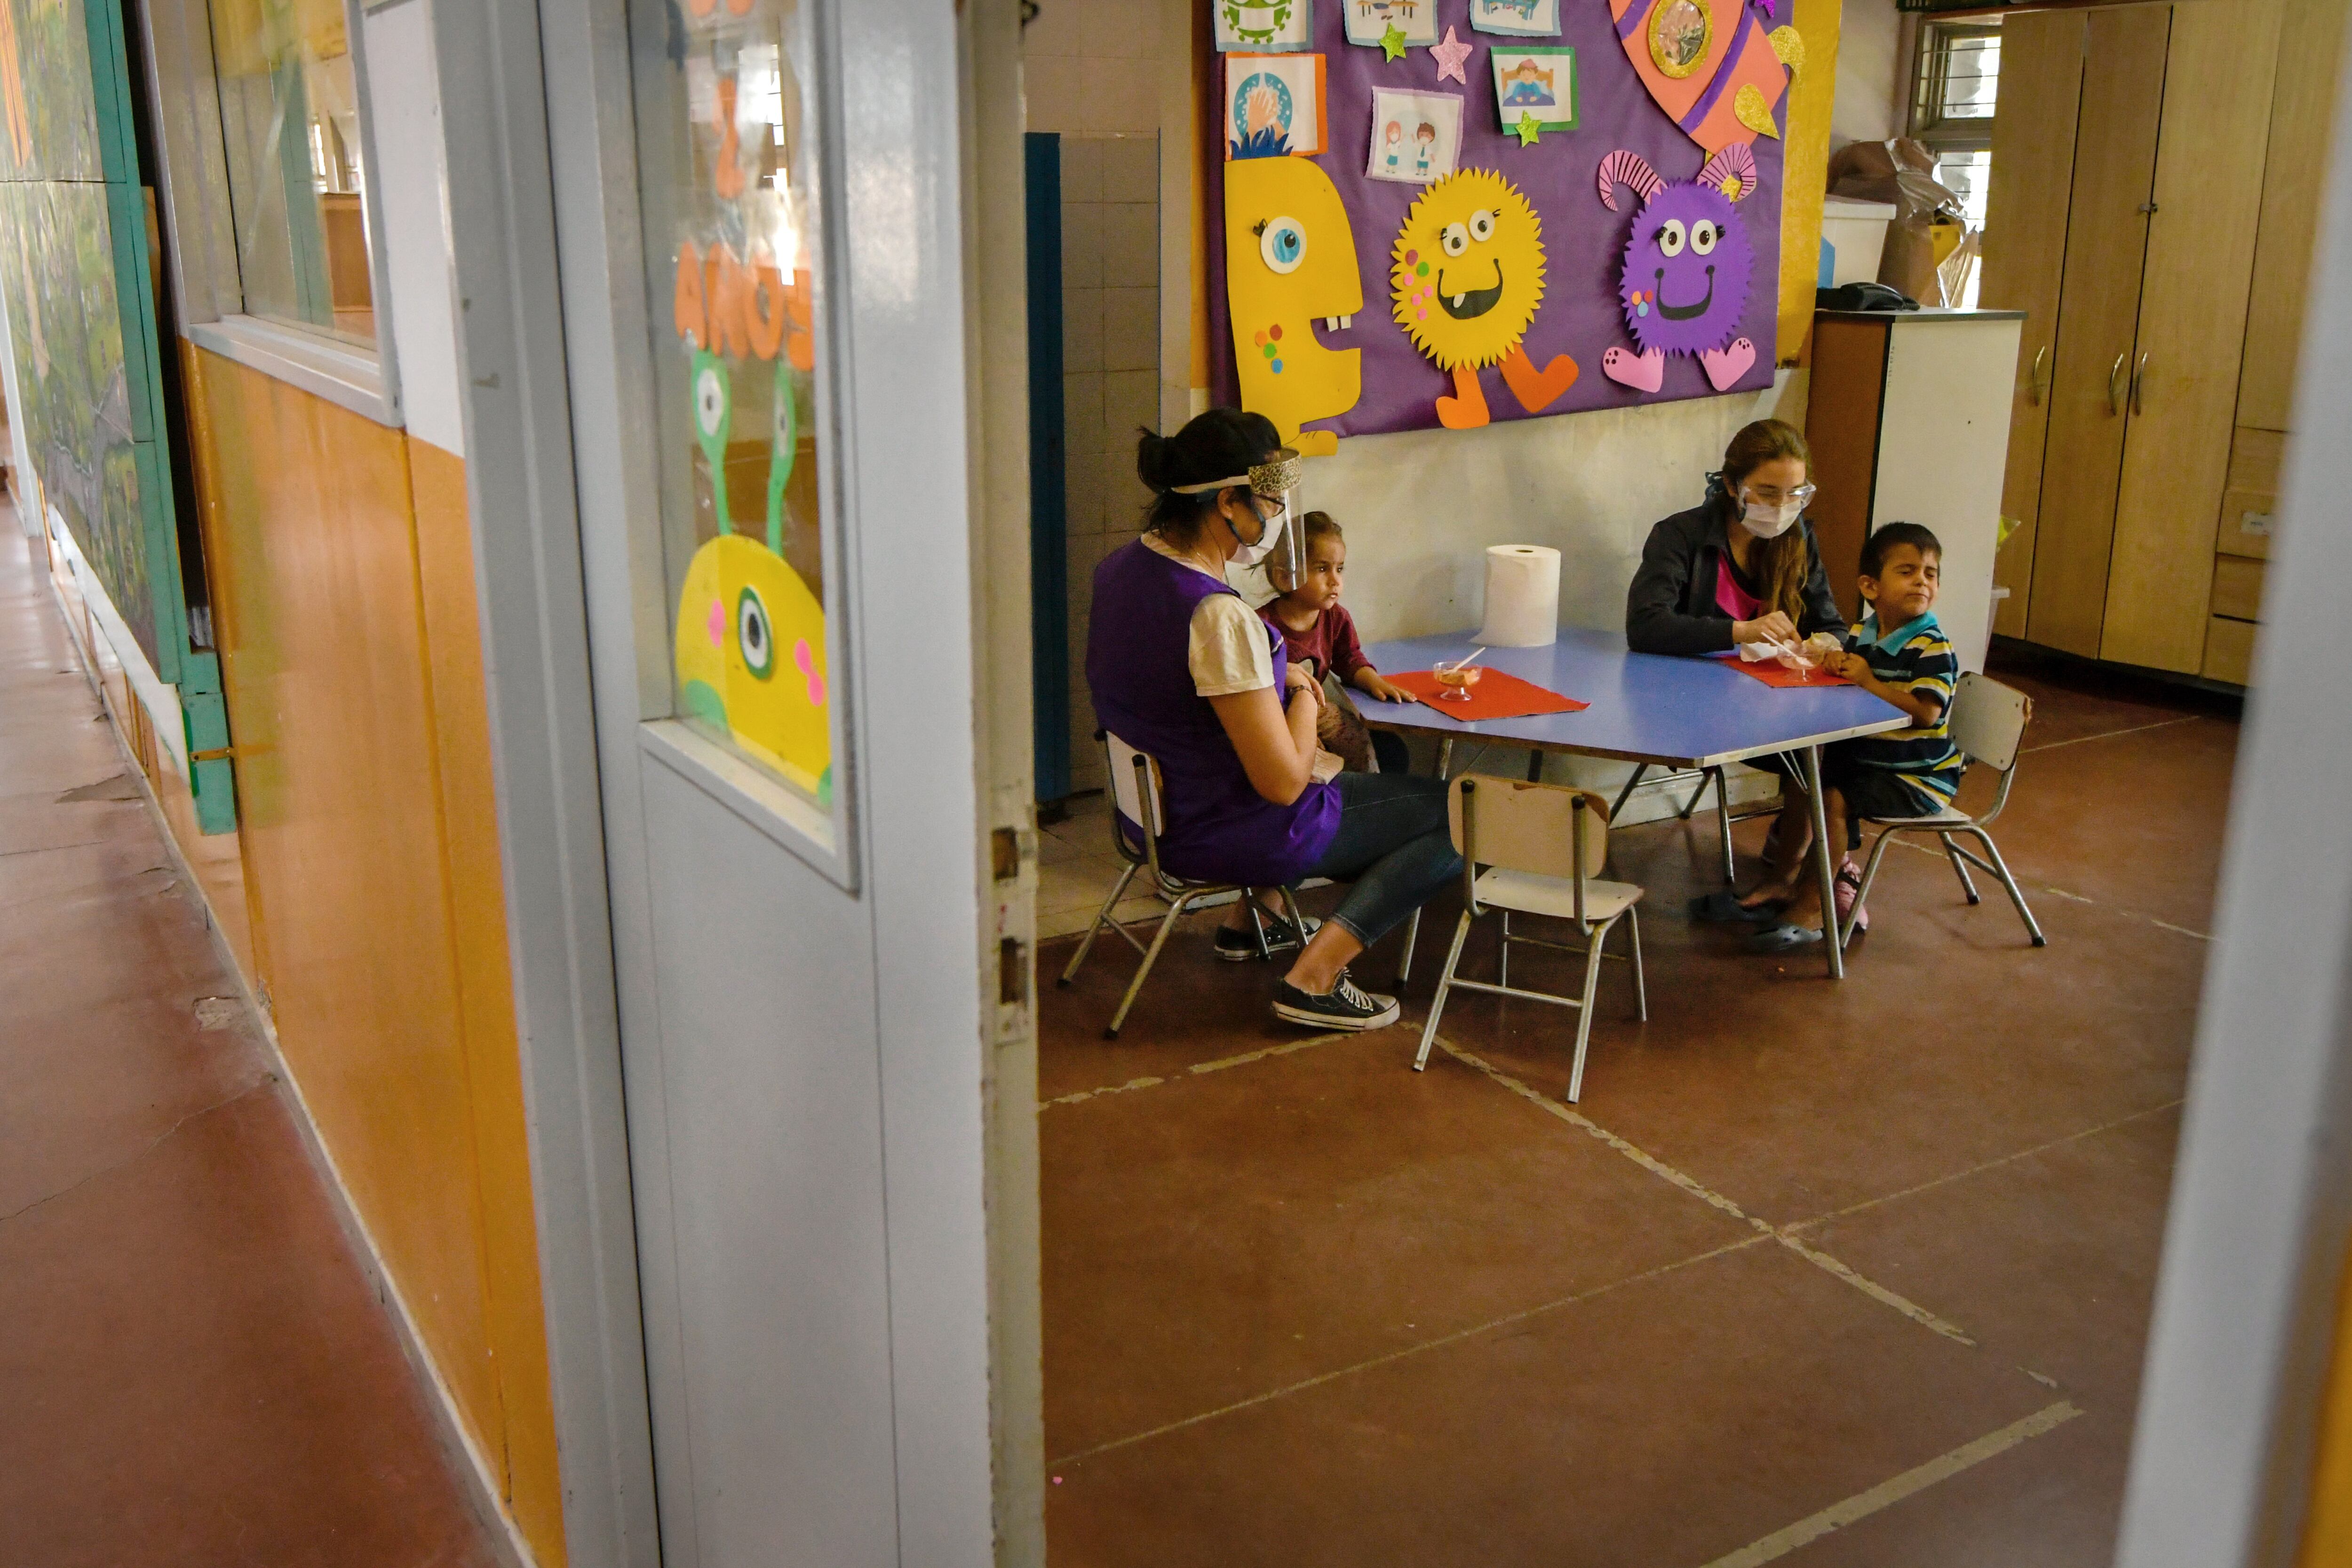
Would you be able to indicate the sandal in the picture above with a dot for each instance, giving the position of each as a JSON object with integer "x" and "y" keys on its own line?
{"x": 1783, "y": 938}
{"x": 1849, "y": 888}
{"x": 1723, "y": 908}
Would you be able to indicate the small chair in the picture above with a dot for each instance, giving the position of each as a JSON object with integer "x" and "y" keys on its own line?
{"x": 1987, "y": 721}
{"x": 1135, "y": 792}
{"x": 1539, "y": 844}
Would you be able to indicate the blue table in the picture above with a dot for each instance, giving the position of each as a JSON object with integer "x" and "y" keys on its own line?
{"x": 1649, "y": 709}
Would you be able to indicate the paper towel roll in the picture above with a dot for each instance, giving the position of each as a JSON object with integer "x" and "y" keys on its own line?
{"x": 1522, "y": 596}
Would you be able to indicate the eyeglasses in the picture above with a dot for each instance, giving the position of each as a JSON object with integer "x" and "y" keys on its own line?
{"x": 1772, "y": 495}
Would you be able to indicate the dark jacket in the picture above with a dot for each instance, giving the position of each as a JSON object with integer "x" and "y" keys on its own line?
{"x": 1670, "y": 607}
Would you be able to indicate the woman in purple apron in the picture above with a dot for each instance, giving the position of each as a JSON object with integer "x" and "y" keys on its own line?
{"x": 1743, "y": 566}
{"x": 1182, "y": 669}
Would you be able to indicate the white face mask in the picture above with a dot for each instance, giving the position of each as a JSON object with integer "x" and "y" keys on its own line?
{"x": 1269, "y": 533}
{"x": 1770, "y": 522}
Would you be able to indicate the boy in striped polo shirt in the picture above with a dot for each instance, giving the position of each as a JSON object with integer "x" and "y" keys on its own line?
{"x": 1898, "y": 653}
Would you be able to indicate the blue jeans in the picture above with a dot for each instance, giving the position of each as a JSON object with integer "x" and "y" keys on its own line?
{"x": 1393, "y": 845}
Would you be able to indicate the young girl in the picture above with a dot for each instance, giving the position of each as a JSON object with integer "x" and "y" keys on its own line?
{"x": 1321, "y": 635}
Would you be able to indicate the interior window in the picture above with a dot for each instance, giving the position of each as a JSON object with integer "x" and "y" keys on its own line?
{"x": 290, "y": 121}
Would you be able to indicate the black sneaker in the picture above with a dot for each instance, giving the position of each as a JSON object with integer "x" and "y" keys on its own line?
{"x": 1281, "y": 936}
{"x": 1347, "y": 1007}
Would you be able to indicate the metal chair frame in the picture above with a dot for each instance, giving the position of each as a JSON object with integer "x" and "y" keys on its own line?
{"x": 1944, "y": 826}
{"x": 1180, "y": 894}
{"x": 1595, "y": 934}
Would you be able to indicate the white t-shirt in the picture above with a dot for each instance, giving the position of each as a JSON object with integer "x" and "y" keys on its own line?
{"x": 1230, "y": 650}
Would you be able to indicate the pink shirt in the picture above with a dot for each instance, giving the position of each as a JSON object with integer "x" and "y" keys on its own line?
{"x": 1732, "y": 599}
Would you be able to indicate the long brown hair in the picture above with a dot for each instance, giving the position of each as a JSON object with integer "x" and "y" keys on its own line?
{"x": 1779, "y": 566}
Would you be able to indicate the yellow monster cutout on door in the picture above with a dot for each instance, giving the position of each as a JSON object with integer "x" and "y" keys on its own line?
{"x": 1290, "y": 261}
{"x": 751, "y": 636}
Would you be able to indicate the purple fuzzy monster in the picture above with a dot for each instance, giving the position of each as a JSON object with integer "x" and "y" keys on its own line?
{"x": 1689, "y": 266}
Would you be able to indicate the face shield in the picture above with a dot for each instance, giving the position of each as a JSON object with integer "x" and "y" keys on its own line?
{"x": 1271, "y": 485}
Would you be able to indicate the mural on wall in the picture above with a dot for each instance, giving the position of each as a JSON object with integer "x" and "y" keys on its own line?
{"x": 1608, "y": 93}
{"x": 83, "y": 401}
{"x": 749, "y": 646}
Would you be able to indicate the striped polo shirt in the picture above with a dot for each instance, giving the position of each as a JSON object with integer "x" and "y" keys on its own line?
{"x": 1917, "y": 659}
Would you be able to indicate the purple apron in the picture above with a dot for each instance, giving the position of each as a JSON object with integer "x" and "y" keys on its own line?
{"x": 1138, "y": 664}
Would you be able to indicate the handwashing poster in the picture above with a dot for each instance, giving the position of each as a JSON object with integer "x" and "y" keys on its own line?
{"x": 1498, "y": 209}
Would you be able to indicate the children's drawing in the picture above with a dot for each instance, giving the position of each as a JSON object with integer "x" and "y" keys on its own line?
{"x": 1416, "y": 136}
{"x": 1290, "y": 261}
{"x": 1274, "y": 99}
{"x": 1709, "y": 64}
{"x": 1369, "y": 21}
{"x": 1689, "y": 266}
{"x": 1466, "y": 278}
{"x": 1521, "y": 18}
{"x": 1262, "y": 23}
{"x": 1537, "y": 83}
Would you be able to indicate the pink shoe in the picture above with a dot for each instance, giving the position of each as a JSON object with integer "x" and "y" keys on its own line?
{"x": 1849, "y": 888}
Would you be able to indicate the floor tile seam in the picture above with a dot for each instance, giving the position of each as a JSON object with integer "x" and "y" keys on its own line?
{"x": 2111, "y": 734}
{"x": 1195, "y": 1069}
{"x": 1895, "y": 1488}
{"x": 1835, "y": 1269}
{"x": 1388, "y": 1358}
{"x": 127, "y": 1160}
{"x": 1907, "y": 843}
{"x": 1794, "y": 1226}
{"x": 52, "y": 848}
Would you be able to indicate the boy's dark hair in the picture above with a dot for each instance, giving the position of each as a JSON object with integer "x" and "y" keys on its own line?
{"x": 1217, "y": 445}
{"x": 1875, "y": 548}
{"x": 1318, "y": 525}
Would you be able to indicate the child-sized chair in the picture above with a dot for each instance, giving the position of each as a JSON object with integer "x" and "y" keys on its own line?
{"x": 1539, "y": 844}
{"x": 1988, "y": 721}
{"x": 1135, "y": 792}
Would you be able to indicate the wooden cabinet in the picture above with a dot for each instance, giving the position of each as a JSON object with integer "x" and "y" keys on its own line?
{"x": 2150, "y": 164}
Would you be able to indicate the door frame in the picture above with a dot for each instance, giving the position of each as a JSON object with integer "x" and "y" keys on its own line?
{"x": 539, "y": 140}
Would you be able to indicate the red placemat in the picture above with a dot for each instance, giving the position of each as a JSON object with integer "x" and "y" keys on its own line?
{"x": 1496, "y": 696}
{"x": 1772, "y": 672}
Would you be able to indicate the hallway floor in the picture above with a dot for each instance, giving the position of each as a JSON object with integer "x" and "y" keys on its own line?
{"x": 197, "y": 1369}
{"x": 1851, "y": 1274}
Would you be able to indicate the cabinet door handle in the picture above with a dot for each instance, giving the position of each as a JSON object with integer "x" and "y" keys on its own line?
{"x": 2139, "y": 376}
{"x": 2115, "y": 383}
{"x": 2036, "y": 389}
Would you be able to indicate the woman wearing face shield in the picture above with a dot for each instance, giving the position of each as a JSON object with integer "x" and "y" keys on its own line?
{"x": 1182, "y": 669}
{"x": 1743, "y": 567}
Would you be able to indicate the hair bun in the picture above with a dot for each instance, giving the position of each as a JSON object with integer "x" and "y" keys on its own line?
{"x": 1153, "y": 459}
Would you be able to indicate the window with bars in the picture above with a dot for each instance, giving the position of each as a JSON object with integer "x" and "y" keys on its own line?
{"x": 1955, "y": 88}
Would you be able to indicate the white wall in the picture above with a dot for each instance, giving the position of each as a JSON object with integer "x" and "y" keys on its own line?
{"x": 1420, "y": 508}
{"x": 1871, "y": 55}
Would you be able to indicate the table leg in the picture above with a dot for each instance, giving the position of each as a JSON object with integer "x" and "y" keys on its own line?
{"x": 1444, "y": 759}
{"x": 1825, "y": 862}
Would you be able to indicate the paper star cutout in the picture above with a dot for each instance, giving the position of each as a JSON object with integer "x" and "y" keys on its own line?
{"x": 1449, "y": 55}
{"x": 1392, "y": 44}
{"x": 1528, "y": 129}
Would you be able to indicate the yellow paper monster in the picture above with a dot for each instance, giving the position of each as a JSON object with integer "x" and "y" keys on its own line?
{"x": 1466, "y": 278}
{"x": 750, "y": 657}
{"x": 1290, "y": 259}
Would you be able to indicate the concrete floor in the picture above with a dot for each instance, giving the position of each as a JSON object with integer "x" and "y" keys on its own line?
{"x": 197, "y": 1369}
{"x": 1840, "y": 1274}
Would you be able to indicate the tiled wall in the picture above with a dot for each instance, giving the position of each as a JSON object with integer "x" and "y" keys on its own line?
{"x": 1090, "y": 66}
{"x": 1111, "y": 364}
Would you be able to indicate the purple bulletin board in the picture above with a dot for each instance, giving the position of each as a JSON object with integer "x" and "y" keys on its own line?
{"x": 1585, "y": 244}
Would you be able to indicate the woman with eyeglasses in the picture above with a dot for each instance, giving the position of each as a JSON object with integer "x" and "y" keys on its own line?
{"x": 1743, "y": 567}
{"x": 1183, "y": 670}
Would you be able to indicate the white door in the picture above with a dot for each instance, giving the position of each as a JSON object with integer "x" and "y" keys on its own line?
{"x": 763, "y": 316}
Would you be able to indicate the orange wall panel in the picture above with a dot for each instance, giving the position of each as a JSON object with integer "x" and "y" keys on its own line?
{"x": 445, "y": 555}
{"x": 344, "y": 607}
